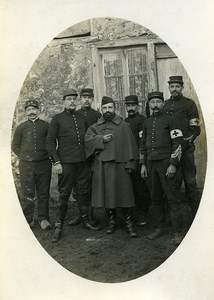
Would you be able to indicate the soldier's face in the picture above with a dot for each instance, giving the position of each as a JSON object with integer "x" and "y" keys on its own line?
{"x": 175, "y": 89}
{"x": 108, "y": 110}
{"x": 156, "y": 105}
{"x": 32, "y": 112}
{"x": 86, "y": 101}
{"x": 70, "y": 102}
{"x": 131, "y": 109}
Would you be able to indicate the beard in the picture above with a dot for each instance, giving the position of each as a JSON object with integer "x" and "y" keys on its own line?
{"x": 108, "y": 116}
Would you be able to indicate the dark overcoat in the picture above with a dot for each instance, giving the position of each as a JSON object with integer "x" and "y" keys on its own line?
{"x": 112, "y": 186}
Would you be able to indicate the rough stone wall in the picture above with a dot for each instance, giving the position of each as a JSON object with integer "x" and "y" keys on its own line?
{"x": 58, "y": 68}
{"x": 113, "y": 29}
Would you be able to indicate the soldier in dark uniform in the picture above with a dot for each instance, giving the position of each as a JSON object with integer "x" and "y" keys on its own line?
{"x": 65, "y": 144}
{"x": 140, "y": 188}
{"x": 29, "y": 144}
{"x": 91, "y": 116}
{"x": 161, "y": 147}
{"x": 186, "y": 112}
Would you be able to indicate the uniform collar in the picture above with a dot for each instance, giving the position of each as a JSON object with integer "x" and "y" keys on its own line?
{"x": 134, "y": 116}
{"x": 34, "y": 120}
{"x": 116, "y": 120}
{"x": 158, "y": 115}
{"x": 69, "y": 112}
{"x": 176, "y": 99}
{"x": 86, "y": 109}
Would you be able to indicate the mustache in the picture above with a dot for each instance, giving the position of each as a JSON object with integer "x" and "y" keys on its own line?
{"x": 131, "y": 110}
{"x": 155, "y": 108}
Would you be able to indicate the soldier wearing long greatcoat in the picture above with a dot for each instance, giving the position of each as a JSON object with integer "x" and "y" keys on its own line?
{"x": 115, "y": 153}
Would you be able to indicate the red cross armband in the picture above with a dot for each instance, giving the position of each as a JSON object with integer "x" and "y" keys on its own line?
{"x": 175, "y": 133}
{"x": 194, "y": 122}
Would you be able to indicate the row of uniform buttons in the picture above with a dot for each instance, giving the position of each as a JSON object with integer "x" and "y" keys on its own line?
{"x": 77, "y": 130}
{"x": 34, "y": 135}
{"x": 153, "y": 133}
{"x": 172, "y": 108}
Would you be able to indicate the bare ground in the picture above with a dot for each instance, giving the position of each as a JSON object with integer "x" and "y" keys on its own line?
{"x": 96, "y": 256}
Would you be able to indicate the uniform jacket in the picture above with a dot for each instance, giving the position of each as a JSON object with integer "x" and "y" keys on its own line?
{"x": 65, "y": 139}
{"x": 29, "y": 140}
{"x": 185, "y": 110}
{"x": 136, "y": 123}
{"x": 161, "y": 139}
{"x": 91, "y": 115}
{"x": 122, "y": 148}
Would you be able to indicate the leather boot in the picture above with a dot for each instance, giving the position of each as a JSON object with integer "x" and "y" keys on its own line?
{"x": 127, "y": 213}
{"x": 157, "y": 233}
{"x": 111, "y": 215}
{"x": 92, "y": 219}
{"x": 58, "y": 231}
{"x": 75, "y": 221}
{"x": 87, "y": 225}
{"x": 57, "y": 234}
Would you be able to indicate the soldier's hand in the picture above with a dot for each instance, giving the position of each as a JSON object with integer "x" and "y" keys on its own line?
{"x": 170, "y": 172}
{"x": 107, "y": 138}
{"x": 58, "y": 169}
{"x": 143, "y": 172}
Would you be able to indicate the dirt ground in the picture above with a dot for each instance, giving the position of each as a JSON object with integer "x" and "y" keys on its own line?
{"x": 96, "y": 256}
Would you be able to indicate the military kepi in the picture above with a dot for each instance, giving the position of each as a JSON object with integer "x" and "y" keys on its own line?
{"x": 131, "y": 99}
{"x": 87, "y": 92}
{"x": 71, "y": 92}
{"x": 106, "y": 100}
{"x": 176, "y": 79}
{"x": 155, "y": 95}
{"x": 33, "y": 103}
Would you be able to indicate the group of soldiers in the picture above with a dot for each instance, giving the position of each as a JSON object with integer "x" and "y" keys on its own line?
{"x": 109, "y": 162}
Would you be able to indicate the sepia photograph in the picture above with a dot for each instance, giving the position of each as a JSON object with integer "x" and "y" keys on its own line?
{"x": 108, "y": 148}
{"x": 86, "y": 86}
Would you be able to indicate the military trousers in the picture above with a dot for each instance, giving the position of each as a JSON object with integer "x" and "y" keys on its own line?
{"x": 35, "y": 177}
{"x": 189, "y": 175}
{"x": 141, "y": 193}
{"x": 78, "y": 175}
{"x": 163, "y": 189}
